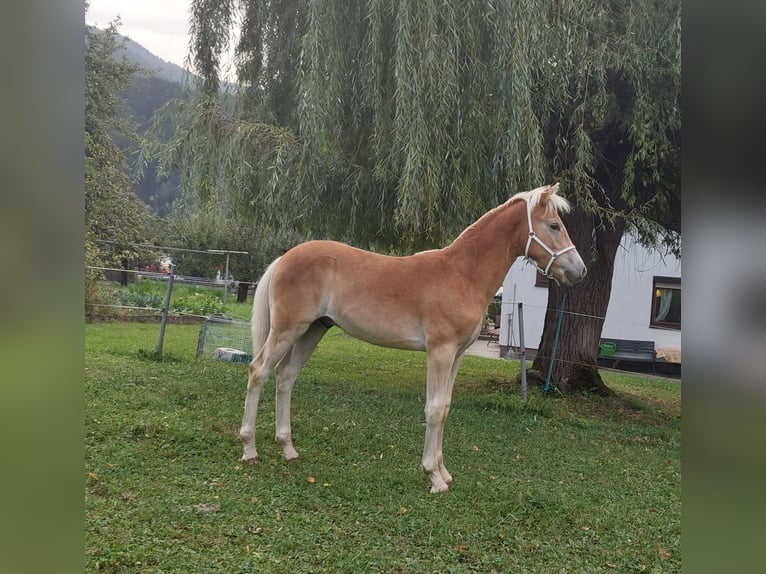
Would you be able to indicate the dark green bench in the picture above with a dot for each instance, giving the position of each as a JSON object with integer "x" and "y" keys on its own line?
{"x": 617, "y": 350}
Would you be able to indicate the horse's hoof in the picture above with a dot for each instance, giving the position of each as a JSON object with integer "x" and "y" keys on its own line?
{"x": 438, "y": 487}
{"x": 289, "y": 453}
{"x": 253, "y": 460}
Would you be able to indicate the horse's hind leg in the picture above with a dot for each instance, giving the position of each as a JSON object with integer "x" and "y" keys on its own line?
{"x": 255, "y": 382}
{"x": 259, "y": 371}
{"x": 287, "y": 371}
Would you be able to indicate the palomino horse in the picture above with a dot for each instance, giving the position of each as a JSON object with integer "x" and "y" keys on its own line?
{"x": 432, "y": 301}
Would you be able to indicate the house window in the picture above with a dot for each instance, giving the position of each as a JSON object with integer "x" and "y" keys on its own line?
{"x": 666, "y": 303}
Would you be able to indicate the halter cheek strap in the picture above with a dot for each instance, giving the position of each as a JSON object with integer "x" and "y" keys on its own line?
{"x": 533, "y": 237}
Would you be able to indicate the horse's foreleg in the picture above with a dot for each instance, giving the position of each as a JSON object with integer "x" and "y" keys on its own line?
{"x": 446, "y": 476}
{"x": 441, "y": 363}
{"x": 287, "y": 371}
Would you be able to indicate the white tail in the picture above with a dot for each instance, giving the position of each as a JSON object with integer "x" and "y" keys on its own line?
{"x": 260, "y": 324}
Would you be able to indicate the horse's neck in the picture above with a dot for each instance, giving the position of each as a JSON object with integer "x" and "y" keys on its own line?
{"x": 486, "y": 250}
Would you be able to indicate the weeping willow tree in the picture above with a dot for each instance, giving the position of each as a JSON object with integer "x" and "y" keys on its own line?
{"x": 392, "y": 125}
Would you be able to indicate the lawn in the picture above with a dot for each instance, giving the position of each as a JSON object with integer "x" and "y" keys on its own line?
{"x": 578, "y": 484}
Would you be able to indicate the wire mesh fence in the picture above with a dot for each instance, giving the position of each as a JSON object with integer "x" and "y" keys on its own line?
{"x": 225, "y": 338}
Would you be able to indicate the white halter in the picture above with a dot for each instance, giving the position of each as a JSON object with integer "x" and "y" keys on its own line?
{"x": 551, "y": 252}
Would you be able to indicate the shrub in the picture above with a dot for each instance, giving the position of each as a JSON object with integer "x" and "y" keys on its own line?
{"x": 141, "y": 294}
{"x": 199, "y": 303}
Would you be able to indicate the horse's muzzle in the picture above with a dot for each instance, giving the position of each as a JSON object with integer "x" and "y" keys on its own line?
{"x": 570, "y": 270}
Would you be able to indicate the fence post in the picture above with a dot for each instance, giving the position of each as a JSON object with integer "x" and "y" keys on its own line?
{"x": 226, "y": 272}
{"x": 226, "y": 279}
{"x": 165, "y": 310}
{"x": 563, "y": 307}
{"x": 522, "y": 355}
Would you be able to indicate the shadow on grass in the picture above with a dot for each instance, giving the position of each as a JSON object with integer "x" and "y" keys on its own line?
{"x": 153, "y": 355}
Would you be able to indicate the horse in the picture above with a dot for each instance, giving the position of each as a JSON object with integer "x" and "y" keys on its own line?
{"x": 432, "y": 301}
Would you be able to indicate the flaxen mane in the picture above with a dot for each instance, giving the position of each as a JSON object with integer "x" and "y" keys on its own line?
{"x": 555, "y": 202}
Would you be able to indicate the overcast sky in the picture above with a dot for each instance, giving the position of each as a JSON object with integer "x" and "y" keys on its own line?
{"x": 160, "y": 26}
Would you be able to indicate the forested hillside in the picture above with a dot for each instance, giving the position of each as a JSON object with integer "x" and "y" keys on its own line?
{"x": 146, "y": 95}
{"x": 158, "y": 83}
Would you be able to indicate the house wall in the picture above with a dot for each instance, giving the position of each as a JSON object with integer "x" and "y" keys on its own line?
{"x": 629, "y": 310}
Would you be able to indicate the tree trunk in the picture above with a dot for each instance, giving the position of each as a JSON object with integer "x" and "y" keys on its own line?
{"x": 575, "y": 367}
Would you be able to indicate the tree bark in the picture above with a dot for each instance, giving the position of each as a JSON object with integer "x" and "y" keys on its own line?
{"x": 575, "y": 367}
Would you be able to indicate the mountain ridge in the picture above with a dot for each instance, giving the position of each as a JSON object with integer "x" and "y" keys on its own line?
{"x": 153, "y": 65}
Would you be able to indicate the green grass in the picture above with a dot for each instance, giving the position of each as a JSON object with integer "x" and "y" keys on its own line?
{"x": 580, "y": 484}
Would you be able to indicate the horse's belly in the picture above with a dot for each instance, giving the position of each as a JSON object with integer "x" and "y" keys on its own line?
{"x": 385, "y": 334}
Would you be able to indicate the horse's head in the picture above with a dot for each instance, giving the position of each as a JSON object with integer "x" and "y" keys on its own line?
{"x": 548, "y": 244}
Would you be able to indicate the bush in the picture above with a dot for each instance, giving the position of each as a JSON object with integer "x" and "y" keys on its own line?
{"x": 185, "y": 299}
{"x": 199, "y": 303}
{"x": 142, "y": 294}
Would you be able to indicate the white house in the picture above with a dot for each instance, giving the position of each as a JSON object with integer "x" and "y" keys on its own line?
{"x": 645, "y": 302}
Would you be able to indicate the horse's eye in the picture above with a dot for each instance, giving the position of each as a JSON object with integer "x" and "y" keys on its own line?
{"x": 555, "y": 226}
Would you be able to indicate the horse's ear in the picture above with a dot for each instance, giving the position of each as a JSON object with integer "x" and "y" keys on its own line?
{"x": 548, "y": 192}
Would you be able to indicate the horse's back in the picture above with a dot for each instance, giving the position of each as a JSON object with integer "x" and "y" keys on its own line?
{"x": 386, "y": 300}
{"x": 328, "y": 270}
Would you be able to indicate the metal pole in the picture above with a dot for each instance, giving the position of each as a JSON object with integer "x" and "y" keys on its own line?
{"x": 547, "y": 386}
{"x": 510, "y": 318}
{"x": 226, "y": 273}
{"x": 522, "y": 355}
{"x": 165, "y": 309}
{"x": 226, "y": 279}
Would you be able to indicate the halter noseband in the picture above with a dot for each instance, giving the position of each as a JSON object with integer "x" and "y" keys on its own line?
{"x": 551, "y": 252}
